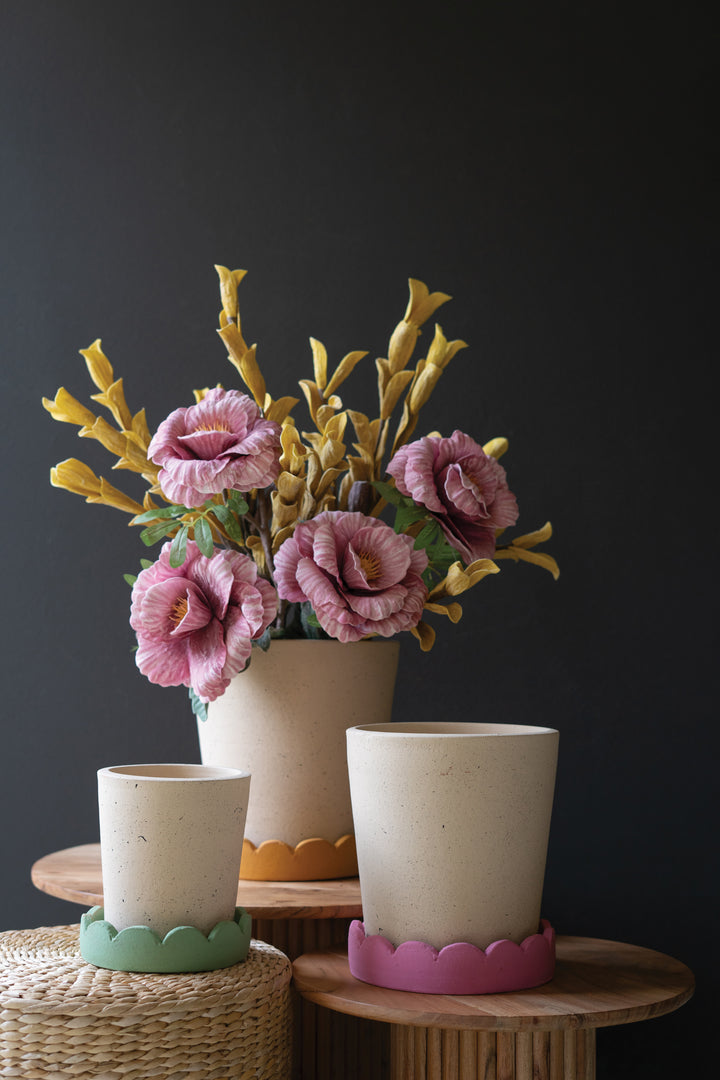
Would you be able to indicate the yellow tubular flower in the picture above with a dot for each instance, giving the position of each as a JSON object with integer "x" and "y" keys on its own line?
{"x": 459, "y": 578}
{"x": 496, "y": 448}
{"x": 110, "y": 496}
{"x": 279, "y": 410}
{"x": 346, "y": 365}
{"x": 229, "y": 281}
{"x": 519, "y": 550}
{"x": 140, "y": 432}
{"x": 75, "y": 476}
{"x": 114, "y": 399}
{"x": 421, "y": 306}
{"x": 108, "y": 436}
{"x": 98, "y": 365}
{"x": 69, "y": 410}
{"x": 319, "y": 363}
{"x": 425, "y": 635}
{"x": 453, "y": 611}
{"x": 243, "y": 358}
{"x": 392, "y": 391}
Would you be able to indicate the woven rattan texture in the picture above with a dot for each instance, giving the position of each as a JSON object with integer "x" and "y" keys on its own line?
{"x": 61, "y": 1017}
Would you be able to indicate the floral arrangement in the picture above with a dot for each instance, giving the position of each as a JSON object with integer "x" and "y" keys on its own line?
{"x": 270, "y": 531}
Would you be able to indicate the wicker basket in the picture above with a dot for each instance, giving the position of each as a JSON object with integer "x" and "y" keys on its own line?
{"x": 61, "y": 1017}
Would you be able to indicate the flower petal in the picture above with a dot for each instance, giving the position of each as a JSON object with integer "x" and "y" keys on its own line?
{"x": 162, "y": 661}
{"x": 206, "y": 657}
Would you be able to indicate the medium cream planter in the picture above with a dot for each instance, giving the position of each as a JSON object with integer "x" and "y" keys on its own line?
{"x": 451, "y": 827}
{"x": 284, "y": 720}
{"x": 171, "y": 840}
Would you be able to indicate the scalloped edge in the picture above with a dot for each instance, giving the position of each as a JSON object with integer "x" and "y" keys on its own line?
{"x": 183, "y": 949}
{"x": 460, "y": 968}
{"x": 314, "y": 859}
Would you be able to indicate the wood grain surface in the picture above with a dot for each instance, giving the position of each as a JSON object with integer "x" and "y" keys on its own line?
{"x": 597, "y": 984}
{"x": 76, "y": 874}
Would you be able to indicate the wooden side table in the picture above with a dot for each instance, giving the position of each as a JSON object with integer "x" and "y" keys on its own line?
{"x": 294, "y": 916}
{"x": 542, "y": 1034}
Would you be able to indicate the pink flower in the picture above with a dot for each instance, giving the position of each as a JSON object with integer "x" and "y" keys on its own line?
{"x": 360, "y": 577}
{"x": 195, "y": 623}
{"x": 222, "y": 442}
{"x": 464, "y": 489}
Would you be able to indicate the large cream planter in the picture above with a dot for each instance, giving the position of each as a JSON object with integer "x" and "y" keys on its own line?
{"x": 171, "y": 839}
{"x": 451, "y": 826}
{"x": 284, "y": 720}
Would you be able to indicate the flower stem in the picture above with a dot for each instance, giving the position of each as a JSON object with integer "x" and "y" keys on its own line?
{"x": 262, "y": 524}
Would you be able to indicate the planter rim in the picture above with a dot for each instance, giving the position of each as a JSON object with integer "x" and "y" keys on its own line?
{"x": 172, "y": 772}
{"x": 315, "y": 642}
{"x": 431, "y": 729}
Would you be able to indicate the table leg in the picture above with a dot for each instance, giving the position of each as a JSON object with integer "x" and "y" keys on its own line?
{"x": 326, "y": 1045}
{"x": 418, "y": 1053}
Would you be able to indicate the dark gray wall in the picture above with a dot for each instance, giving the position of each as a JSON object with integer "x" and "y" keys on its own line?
{"x": 546, "y": 164}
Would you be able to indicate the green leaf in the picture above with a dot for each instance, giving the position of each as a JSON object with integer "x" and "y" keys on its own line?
{"x": 163, "y": 513}
{"x": 130, "y": 578}
{"x": 178, "y": 550}
{"x": 154, "y": 533}
{"x": 146, "y": 563}
{"x": 427, "y": 536}
{"x": 389, "y": 493}
{"x": 229, "y": 522}
{"x": 236, "y": 502}
{"x": 407, "y": 515}
{"x": 441, "y": 556}
{"x": 310, "y": 623}
{"x": 203, "y": 537}
{"x": 198, "y": 707}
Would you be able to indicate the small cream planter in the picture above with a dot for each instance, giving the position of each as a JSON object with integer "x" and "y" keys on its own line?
{"x": 451, "y": 825}
{"x": 284, "y": 720}
{"x": 171, "y": 839}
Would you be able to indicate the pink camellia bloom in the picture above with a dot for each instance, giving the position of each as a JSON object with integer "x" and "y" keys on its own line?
{"x": 195, "y": 623}
{"x": 464, "y": 489}
{"x": 222, "y": 442}
{"x": 360, "y": 577}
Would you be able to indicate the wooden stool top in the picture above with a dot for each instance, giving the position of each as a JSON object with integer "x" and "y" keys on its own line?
{"x": 597, "y": 984}
{"x": 76, "y": 874}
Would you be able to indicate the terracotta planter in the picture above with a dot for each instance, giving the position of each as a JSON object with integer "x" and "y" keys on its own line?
{"x": 452, "y": 823}
{"x": 284, "y": 720}
{"x": 171, "y": 840}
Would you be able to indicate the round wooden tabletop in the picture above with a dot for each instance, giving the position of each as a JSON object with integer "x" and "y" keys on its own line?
{"x": 76, "y": 874}
{"x": 597, "y": 984}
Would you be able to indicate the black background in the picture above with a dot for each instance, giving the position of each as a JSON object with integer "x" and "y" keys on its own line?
{"x": 547, "y": 164}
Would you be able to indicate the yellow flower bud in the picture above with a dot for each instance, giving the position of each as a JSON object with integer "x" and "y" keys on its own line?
{"x": 68, "y": 409}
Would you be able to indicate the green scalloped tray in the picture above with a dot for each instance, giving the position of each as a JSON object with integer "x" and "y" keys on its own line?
{"x": 185, "y": 948}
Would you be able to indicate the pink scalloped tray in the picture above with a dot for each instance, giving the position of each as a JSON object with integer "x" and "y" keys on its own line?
{"x": 457, "y": 969}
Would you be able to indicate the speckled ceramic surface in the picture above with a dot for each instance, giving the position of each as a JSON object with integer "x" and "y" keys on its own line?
{"x": 451, "y": 827}
{"x": 171, "y": 840}
{"x": 284, "y": 720}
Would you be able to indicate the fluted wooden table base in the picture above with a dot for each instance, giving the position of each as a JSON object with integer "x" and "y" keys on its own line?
{"x": 327, "y": 1045}
{"x": 420, "y": 1053}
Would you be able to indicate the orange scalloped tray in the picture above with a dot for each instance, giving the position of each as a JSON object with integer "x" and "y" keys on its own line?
{"x": 312, "y": 860}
